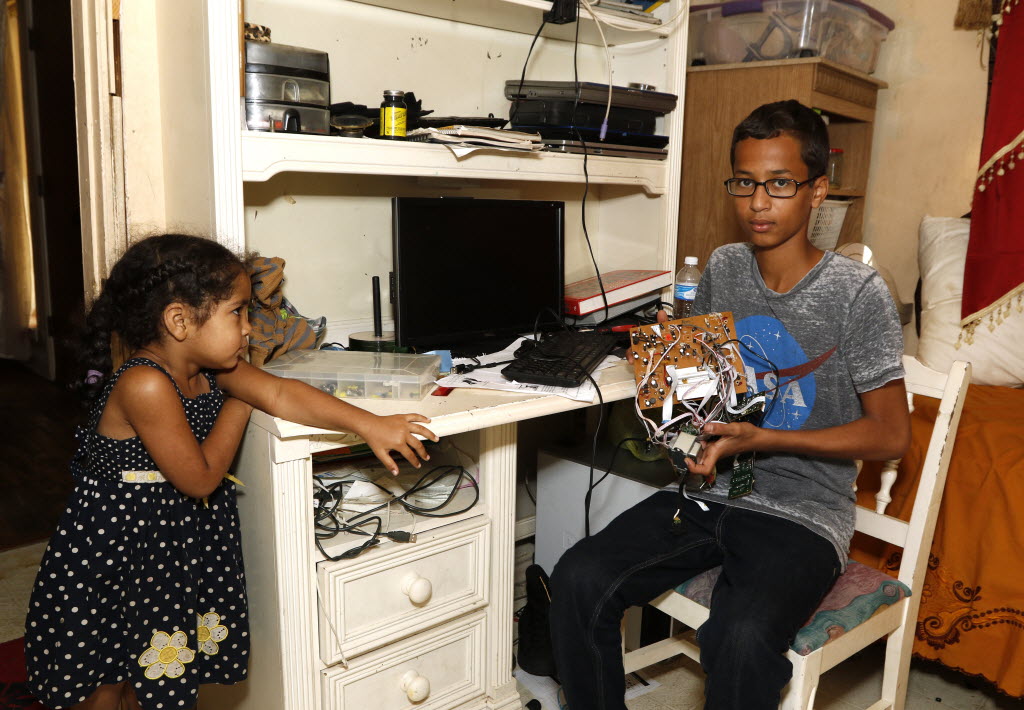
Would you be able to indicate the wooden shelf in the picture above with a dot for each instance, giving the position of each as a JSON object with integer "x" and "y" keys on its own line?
{"x": 845, "y": 192}
{"x": 525, "y": 16}
{"x": 767, "y": 64}
{"x": 267, "y": 154}
{"x": 719, "y": 96}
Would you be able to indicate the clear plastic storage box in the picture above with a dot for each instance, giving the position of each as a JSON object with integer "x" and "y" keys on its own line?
{"x": 361, "y": 375}
{"x": 849, "y": 32}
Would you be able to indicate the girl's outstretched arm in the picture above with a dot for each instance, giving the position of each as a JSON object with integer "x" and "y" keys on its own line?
{"x": 298, "y": 402}
{"x": 145, "y": 402}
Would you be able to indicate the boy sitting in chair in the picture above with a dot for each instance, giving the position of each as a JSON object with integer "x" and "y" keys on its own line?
{"x": 823, "y": 342}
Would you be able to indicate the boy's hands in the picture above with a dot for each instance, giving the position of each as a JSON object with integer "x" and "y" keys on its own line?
{"x": 732, "y": 439}
{"x": 396, "y": 433}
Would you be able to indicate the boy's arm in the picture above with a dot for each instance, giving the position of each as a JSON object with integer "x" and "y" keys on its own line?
{"x": 298, "y": 402}
{"x": 880, "y": 434}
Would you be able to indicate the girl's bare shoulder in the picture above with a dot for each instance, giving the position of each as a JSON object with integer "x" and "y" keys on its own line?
{"x": 139, "y": 388}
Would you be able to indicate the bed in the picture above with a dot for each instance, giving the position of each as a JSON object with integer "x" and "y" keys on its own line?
{"x": 972, "y": 610}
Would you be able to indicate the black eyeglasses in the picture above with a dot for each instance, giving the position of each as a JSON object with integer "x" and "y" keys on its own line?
{"x": 776, "y": 187}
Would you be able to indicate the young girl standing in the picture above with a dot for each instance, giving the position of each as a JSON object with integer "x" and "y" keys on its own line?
{"x": 141, "y": 594}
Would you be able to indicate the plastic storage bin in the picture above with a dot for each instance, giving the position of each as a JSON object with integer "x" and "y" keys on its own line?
{"x": 827, "y": 222}
{"x": 360, "y": 375}
{"x": 849, "y": 32}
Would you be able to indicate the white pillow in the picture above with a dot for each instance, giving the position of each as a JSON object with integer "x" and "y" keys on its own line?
{"x": 995, "y": 351}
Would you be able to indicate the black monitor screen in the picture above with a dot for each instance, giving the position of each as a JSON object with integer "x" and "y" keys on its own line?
{"x": 469, "y": 270}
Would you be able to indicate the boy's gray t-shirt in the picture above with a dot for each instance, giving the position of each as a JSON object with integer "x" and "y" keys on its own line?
{"x": 834, "y": 335}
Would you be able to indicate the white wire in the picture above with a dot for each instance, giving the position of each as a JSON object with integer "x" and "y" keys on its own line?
{"x": 725, "y": 377}
{"x": 330, "y": 623}
{"x": 607, "y": 61}
{"x": 777, "y": 394}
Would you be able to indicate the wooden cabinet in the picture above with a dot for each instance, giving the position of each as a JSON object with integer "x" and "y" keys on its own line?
{"x": 719, "y": 97}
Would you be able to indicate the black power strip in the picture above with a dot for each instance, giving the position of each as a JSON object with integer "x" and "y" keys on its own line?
{"x": 562, "y": 12}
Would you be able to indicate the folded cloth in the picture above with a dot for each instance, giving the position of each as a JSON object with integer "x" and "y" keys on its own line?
{"x": 274, "y": 330}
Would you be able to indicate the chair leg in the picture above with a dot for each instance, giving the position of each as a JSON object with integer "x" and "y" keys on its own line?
{"x": 803, "y": 686}
{"x": 897, "y": 666}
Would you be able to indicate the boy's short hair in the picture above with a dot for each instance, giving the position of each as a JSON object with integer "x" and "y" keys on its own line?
{"x": 789, "y": 118}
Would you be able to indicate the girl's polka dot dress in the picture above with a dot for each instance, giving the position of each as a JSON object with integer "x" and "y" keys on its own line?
{"x": 140, "y": 582}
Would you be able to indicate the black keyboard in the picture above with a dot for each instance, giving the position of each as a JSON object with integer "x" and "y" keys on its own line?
{"x": 562, "y": 359}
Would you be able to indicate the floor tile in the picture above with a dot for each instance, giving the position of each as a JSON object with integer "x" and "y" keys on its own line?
{"x": 682, "y": 684}
{"x": 17, "y": 574}
{"x": 650, "y": 702}
{"x": 1002, "y": 702}
{"x": 931, "y": 685}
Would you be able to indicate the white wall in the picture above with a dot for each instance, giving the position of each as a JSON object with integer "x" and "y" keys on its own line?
{"x": 168, "y": 172}
{"x": 928, "y": 130}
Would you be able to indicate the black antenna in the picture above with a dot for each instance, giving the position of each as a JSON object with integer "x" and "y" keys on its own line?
{"x": 378, "y": 329}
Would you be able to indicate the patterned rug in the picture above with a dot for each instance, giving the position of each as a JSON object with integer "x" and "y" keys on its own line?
{"x": 14, "y": 694}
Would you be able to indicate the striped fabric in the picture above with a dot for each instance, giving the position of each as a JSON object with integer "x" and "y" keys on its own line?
{"x": 274, "y": 331}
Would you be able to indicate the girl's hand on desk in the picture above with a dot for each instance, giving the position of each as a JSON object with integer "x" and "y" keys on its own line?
{"x": 396, "y": 433}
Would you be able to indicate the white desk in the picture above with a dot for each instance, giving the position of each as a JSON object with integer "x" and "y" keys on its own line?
{"x": 350, "y": 649}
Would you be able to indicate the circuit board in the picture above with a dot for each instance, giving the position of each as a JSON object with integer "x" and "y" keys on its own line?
{"x": 684, "y": 347}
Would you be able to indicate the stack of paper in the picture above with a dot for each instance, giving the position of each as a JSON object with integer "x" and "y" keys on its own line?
{"x": 477, "y": 137}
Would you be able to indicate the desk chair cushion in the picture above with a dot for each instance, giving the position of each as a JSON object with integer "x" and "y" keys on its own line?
{"x": 858, "y": 593}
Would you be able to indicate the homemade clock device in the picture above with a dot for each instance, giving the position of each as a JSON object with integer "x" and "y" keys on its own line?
{"x": 690, "y": 372}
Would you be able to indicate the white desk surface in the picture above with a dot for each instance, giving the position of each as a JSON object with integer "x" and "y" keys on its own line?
{"x": 467, "y": 409}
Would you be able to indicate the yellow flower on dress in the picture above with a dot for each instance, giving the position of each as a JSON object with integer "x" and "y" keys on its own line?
{"x": 209, "y": 632}
{"x": 166, "y": 655}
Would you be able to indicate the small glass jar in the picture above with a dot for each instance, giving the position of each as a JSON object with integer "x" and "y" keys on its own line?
{"x": 835, "y": 167}
{"x": 392, "y": 115}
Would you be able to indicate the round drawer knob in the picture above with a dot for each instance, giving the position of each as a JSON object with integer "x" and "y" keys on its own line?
{"x": 416, "y": 687}
{"x": 417, "y": 588}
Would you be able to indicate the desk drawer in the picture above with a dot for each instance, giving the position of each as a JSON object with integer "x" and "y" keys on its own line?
{"x": 449, "y": 663}
{"x": 402, "y": 589}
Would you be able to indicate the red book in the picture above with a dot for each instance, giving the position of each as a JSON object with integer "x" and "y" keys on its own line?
{"x": 583, "y": 297}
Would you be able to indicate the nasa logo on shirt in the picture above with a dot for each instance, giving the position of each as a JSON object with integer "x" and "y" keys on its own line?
{"x": 769, "y": 342}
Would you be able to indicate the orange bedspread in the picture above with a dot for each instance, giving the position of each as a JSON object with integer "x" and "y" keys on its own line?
{"x": 972, "y": 608}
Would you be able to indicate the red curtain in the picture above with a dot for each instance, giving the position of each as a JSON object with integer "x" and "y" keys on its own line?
{"x": 994, "y": 272}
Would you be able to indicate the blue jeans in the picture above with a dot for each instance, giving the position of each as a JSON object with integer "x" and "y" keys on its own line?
{"x": 775, "y": 573}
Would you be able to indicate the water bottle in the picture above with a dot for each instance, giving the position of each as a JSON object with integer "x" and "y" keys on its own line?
{"x": 687, "y": 279}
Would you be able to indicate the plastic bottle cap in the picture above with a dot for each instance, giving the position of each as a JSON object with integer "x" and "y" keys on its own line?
{"x": 690, "y": 261}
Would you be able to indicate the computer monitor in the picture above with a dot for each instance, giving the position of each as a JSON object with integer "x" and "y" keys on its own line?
{"x": 468, "y": 272}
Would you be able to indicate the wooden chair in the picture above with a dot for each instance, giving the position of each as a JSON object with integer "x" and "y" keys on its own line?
{"x": 823, "y": 643}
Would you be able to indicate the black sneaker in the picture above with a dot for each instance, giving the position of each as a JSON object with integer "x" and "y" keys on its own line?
{"x": 535, "y": 654}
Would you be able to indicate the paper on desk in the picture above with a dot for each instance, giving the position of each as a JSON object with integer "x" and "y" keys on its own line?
{"x": 463, "y": 140}
{"x": 492, "y": 379}
{"x": 461, "y": 150}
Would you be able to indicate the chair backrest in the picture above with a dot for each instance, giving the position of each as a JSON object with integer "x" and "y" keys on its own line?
{"x": 915, "y": 535}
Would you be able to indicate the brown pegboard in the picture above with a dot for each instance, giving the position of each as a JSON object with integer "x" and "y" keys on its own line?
{"x": 679, "y": 341}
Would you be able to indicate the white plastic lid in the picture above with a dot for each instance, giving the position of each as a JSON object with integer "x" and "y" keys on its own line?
{"x": 690, "y": 261}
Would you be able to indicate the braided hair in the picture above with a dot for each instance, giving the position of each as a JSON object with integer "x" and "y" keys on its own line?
{"x": 149, "y": 276}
